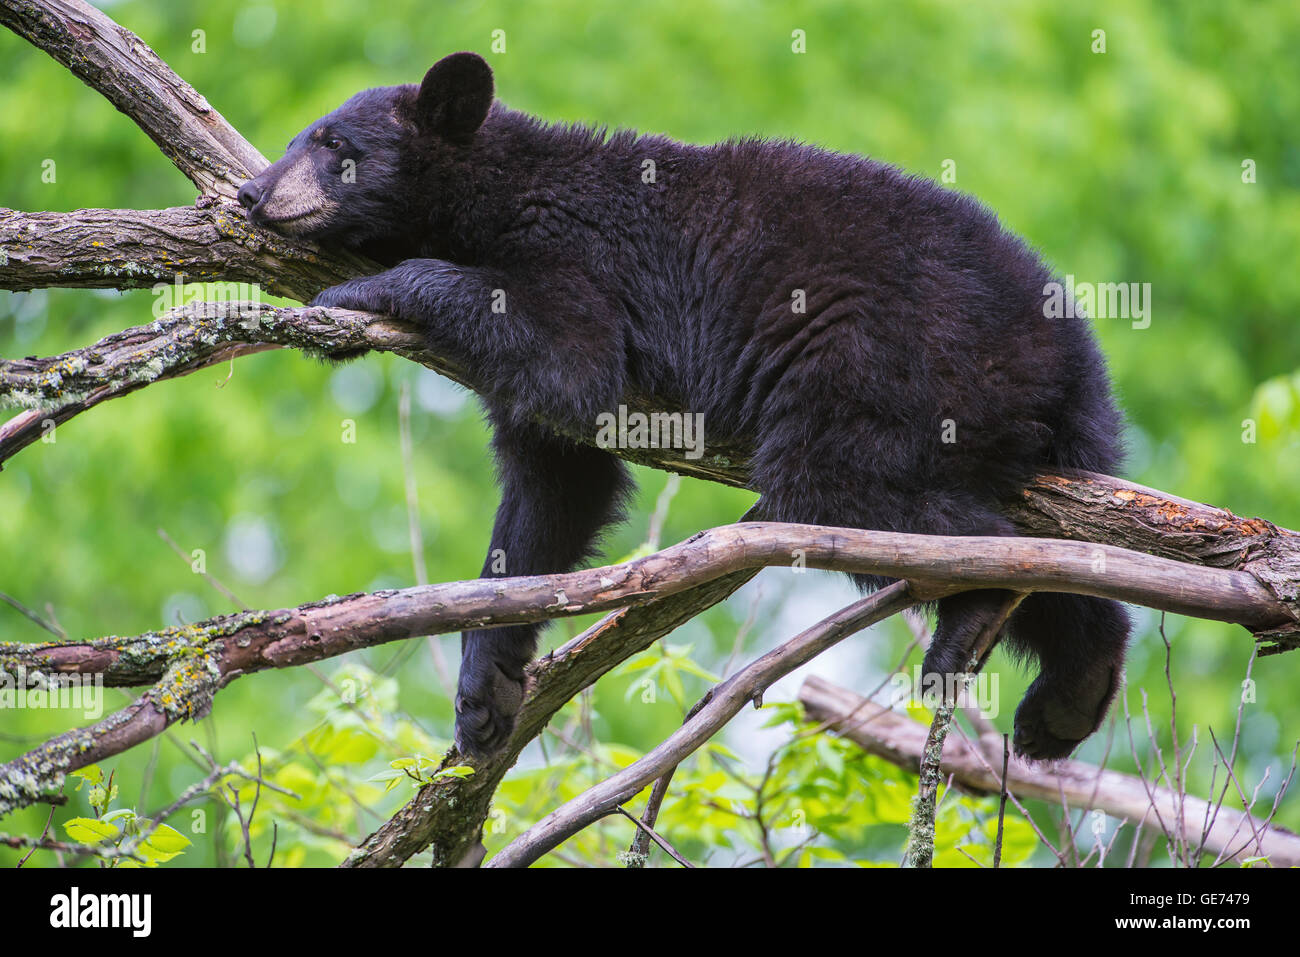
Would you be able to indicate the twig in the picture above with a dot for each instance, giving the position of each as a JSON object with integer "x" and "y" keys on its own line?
{"x": 639, "y": 850}
{"x": 27, "y": 612}
{"x": 415, "y": 531}
{"x": 728, "y": 698}
{"x": 1180, "y": 845}
{"x": 104, "y": 852}
{"x": 1002, "y": 801}
{"x": 660, "y": 513}
{"x": 49, "y": 819}
{"x": 920, "y": 849}
{"x": 210, "y": 579}
{"x": 644, "y": 828}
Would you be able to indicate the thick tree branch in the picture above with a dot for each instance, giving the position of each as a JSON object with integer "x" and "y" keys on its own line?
{"x": 937, "y": 566}
{"x": 447, "y": 815}
{"x": 900, "y": 740}
{"x": 190, "y": 337}
{"x": 192, "y": 662}
{"x": 119, "y": 65}
{"x": 1094, "y": 507}
{"x": 137, "y": 249}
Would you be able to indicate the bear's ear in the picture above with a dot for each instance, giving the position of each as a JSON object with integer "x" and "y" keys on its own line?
{"x": 455, "y": 96}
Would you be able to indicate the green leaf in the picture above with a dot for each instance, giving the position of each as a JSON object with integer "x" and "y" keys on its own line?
{"x": 830, "y": 756}
{"x": 89, "y": 830}
{"x": 91, "y": 773}
{"x": 168, "y": 840}
{"x": 460, "y": 771}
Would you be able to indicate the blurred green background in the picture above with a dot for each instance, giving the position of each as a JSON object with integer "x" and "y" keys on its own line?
{"x": 1119, "y": 166}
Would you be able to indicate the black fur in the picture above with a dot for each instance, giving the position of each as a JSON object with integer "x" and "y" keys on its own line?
{"x": 920, "y": 309}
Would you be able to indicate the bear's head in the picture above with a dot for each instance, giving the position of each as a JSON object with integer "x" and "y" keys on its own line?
{"x": 362, "y": 174}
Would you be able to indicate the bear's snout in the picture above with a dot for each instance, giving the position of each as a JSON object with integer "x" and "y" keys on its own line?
{"x": 249, "y": 195}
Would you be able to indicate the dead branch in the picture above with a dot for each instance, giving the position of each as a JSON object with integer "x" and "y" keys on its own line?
{"x": 936, "y": 565}
{"x": 119, "y": 65}
{"x": 191, "y": 663}
{"x": 721, "y": 705}
{"x": 900, "y": 740}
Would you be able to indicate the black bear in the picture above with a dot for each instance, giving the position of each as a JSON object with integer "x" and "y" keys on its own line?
{"x": 881, "y": 341}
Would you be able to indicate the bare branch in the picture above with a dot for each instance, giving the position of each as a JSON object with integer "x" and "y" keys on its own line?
{"x": 118, "y": 64}
{"x": 644, "y": 828}
{"x": 725, "y": 702}
{"x": 937, "y": 566}
{"x": 899, "y": 739}
{"x": 448, "y": 814}
{"x": 920, "y": 846}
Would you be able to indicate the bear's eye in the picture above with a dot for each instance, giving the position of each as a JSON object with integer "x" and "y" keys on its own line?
{"x": 333, "y": 143}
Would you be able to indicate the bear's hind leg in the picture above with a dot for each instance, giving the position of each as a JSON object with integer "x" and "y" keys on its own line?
{"x": 961, "y": 619}
{"x": 1079, "y": 642}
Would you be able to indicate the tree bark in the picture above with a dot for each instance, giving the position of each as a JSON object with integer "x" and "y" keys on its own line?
{"x": 138, "y": 249}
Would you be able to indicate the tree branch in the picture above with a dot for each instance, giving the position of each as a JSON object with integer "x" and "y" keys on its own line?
{"x": 120, "y": 66}
{"x": 192, "y": 662}
{"x": 721, "y": 705}
{"x": 900, "y": 740}
{"x": 937, "y": 566}
{"x": 137, "y": 249}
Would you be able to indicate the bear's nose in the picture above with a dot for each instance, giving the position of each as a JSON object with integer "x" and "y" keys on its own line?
{"x": 249, "y": 195}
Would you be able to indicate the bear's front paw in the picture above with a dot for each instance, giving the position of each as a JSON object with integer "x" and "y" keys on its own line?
{"x": 359, "y": 294}
{"x": 485, "y": 712}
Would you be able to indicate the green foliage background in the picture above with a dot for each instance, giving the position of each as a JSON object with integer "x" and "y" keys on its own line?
{"x": 1122, "y": 166}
